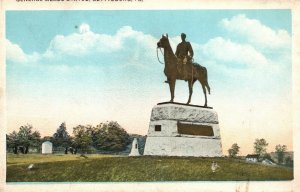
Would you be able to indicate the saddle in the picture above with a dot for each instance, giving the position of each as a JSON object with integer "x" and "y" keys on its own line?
{"x": 182, "y": 65}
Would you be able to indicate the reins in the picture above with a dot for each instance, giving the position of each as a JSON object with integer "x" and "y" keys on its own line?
{"x": 157, "y": 54}
{"x": 163, "y": 63}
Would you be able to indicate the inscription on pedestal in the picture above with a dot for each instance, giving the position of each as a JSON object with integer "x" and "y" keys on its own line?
{"x": 190, "y": 129}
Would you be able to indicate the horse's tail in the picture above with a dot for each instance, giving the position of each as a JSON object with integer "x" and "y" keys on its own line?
{"x": 203, "y": 76}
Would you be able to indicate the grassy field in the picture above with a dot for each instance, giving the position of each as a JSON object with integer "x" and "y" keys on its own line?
{"x": 103, "y": 168}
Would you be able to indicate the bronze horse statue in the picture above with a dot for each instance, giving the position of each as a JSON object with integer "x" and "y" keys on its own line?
{"x": 194, "y": 71}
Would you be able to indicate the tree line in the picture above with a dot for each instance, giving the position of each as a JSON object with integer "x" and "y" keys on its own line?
{"x": 260, "y": 149}
{"x": 107, "y": 136}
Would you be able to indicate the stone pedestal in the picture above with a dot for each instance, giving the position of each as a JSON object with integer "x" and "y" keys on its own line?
{"x": 183, "y": 130}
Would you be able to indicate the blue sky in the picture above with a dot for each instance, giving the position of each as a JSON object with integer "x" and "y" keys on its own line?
{"x": 84, "y": 67}
{"x": 199, "y": 25}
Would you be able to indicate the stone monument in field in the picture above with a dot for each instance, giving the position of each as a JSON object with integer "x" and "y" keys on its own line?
{"x": 134, "y": 148}
{"x": 47, "y": 147}
{"x": 178, "y": 129}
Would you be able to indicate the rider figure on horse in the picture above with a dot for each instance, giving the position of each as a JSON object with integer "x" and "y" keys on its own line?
{"x": 184, "y": 53}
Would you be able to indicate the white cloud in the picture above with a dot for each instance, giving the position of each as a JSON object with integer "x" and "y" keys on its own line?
{"x": 15, "y": 53}
{"x": 174, "y": 41}
{"x": 84, "y": 28}
{"x": 87, "y": 42}
{"x": 127, "y": 46}
{"x": 80, "y": 44}
{"x": 233, "y": 54}
{"x": 257, "y": 33}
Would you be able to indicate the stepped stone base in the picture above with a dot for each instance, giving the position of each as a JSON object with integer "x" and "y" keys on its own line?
{"x": 178, "y": 130}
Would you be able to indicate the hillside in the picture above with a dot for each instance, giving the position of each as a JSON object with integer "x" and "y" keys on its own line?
{"x": 107, "y": 168}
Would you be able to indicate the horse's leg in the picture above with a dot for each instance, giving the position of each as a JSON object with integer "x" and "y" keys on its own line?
{"x": 204, "y": 91}
{"x": 172, "y": 88}
{"x": 191, "y": 83}
{"x": 206, "y": 81}
{"x": 207, "y": 86}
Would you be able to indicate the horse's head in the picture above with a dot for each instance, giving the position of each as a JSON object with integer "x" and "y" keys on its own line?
{"x": 163, "y": 42}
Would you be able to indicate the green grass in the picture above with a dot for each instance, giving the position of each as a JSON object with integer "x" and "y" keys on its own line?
{"x": 103, "y": 168}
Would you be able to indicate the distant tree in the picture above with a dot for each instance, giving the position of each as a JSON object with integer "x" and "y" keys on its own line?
{"x": 61, "y": 138}
{"x": 260, "y": 147}
{"x": 72, "y": 141}
{"x": 93, "y": 132}
{"x": 27, "y": 138}
{"x": 35, "y": 139}
{"x": 46, "y": 138}
{"x": 234, "y": 150}
{"x": 280, "y": 150}
{"x": 82, "y": 139}
{"x": 24, "y": 138}
{"x": 12, "y": 141}
{"x": 289, "y": 161}
{"x": 112, "y": 136}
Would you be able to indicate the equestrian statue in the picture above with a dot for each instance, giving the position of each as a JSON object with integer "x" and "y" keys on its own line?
{"x": 181, "y": 66}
